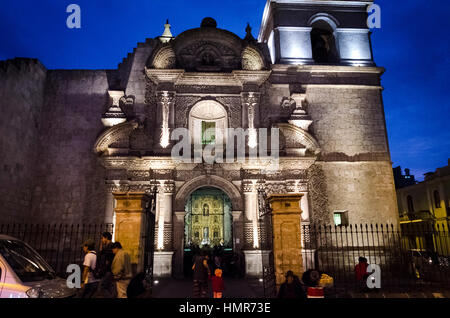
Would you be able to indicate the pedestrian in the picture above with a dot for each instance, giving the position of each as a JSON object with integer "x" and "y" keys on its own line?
{"x": 139, "y": 287}
{"x": 292, "y": 287}
{"x": 121, "y": 269}
{"x": 201, "y": 274}
{"x": 218, "y": 262}
{"x": 218, "y": 286}
{"x": 361, "y": 273}
{"x": 89, "y": 282}
{"x": 311, "y": 279}
{"x": 105, "y": 259}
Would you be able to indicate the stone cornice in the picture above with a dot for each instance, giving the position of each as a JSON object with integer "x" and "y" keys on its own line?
{"x": 327, "y": 69}
{"x": 183, "y": 78}
{"x": 166, "y": 163}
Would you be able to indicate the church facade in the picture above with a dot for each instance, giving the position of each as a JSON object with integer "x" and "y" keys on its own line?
{"x": 87, "y": 135}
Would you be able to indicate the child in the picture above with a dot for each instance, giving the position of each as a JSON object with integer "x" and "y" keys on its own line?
{"x": 217, "y": 283}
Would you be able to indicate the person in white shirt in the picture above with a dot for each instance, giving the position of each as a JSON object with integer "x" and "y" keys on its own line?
{"x": 89, "y": 282}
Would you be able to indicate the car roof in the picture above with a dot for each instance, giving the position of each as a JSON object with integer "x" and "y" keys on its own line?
{"x": 7, "y": 237}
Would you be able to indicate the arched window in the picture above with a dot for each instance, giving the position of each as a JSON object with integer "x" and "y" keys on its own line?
{"x": 409, "y": 202}
{"x": 323, "y": 42}
{"x": 437, "y": 199}
{"x": 208, "y": 121}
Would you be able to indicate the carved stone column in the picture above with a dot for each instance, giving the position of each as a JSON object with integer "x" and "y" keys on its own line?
{"x": 250, "y": 107}
{"x": 286, "y": 220}
{"x": 238, "y": 230}
{"x": 130, "y": 224}
{"x": 164, "y": 239}
{"x": 166, "y": 100}
{"x": 253, "y": 255}
{"x": 178, "y": 243}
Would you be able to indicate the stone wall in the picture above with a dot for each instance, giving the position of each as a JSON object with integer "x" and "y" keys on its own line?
{"x": 70, "y": 184}
{"x": 347, "y": 121}
{"x": 365, "y": 189}
{"x": 22, "y": 83}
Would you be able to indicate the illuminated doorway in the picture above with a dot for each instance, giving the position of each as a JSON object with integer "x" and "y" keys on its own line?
{"x": 208, "y": 220}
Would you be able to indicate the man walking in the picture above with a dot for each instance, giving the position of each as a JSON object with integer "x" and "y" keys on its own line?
{"x": 121, "y": 269}
{"x": 201, "y": 274}
{"x": 89, "y": 282}
{"x": 105, "y": 259}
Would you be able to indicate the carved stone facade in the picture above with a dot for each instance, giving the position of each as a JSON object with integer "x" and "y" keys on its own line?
{"x": 333, "y": 145}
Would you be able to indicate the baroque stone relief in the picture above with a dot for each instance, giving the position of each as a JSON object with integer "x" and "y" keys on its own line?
{"x": 317, "y": 185}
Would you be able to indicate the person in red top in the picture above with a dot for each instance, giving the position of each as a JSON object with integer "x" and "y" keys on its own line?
{"x": 361, "y": 269}
{"x": 218, "y": 285}
{"x": 361, "y": 272}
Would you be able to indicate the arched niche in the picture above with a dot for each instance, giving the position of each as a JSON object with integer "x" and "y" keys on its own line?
{"x": 324, "y": 40}
{"x": 211, "y": 181}
{"x": 208, "y": 117}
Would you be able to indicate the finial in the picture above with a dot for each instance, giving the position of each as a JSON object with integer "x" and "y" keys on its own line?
{"x": 167, "y": 35}
{"x": 249, "y": 36}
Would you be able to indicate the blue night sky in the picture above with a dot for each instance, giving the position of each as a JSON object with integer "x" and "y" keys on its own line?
{"x": 413, "y": 45}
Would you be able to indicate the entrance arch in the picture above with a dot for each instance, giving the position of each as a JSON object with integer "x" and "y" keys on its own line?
{"x": 183, "y": 264}
{"x": 214, "y": 181}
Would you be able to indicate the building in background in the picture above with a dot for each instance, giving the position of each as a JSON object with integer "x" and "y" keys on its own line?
{"x": 403, "y": 180}
{"x": 426, "y": 205}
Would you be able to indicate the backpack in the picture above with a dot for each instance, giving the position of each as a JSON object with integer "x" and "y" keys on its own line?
{"x": 98, "y": 272}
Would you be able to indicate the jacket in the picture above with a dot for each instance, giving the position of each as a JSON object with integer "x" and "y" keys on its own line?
{"x": 121, "y": 266}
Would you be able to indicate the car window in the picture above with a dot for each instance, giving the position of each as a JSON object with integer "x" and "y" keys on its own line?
{"x": 25, "y": 262}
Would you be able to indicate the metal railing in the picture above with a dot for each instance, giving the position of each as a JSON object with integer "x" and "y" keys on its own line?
{"x": 59, "y": 244}
{"x": 415, "y": 255}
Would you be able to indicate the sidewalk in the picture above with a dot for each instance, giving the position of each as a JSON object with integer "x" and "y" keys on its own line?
{"x": 383, "y": 294}
{"x": 176, "y": 288}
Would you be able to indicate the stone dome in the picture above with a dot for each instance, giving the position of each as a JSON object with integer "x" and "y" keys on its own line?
{"x": 209, "y": 23}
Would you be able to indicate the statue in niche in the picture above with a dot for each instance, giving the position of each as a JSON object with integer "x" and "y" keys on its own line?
{"x": 205, "y": 240}
{"x": 208, "y": 59}
{"x": 205, "y": 210}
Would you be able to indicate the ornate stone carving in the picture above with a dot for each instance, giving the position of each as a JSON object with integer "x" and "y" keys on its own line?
{"x": 166, "y": 100}
{"x": 139, "y": 175}
{"x": 114, "y": 115}
{"x": 207, "y": 56}
{"x": 169, "y": 186}
{"x": 295, "y": 138}
{"x": 114, "y": 134}
{"x": 318, "y": 195}
{"x": 248, "y": 186}
{"x": 251, "y": 59}
{"x": 164, "y": 58}
{"x": 299, "y": 117}
{"x": 275, "y": 188}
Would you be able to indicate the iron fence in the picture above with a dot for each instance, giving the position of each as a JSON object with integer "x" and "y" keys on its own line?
{"x": 412, "y": 256}
{"x": 59, "y": 244}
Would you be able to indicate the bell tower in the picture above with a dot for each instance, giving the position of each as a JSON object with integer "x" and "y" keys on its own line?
{"x": 331, "y": 32}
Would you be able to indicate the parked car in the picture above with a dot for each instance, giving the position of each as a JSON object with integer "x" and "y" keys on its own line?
{"x": 25, "y": 274}
{"x": 427, "y": 265}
